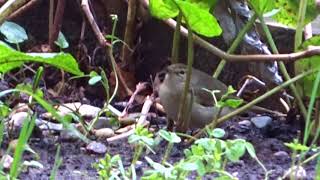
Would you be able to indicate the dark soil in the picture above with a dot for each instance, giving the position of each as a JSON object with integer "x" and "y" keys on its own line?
{"x": 77, "y": 163}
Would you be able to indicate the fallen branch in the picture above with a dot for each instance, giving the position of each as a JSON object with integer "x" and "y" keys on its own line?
{"x": 142, "y": 120}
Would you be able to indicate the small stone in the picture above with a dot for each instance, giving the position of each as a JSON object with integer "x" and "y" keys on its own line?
{"x": 102, "y": 122}
{"x": 298, "y": 172}
{"x": 21, "y": 107}
{"x": 281, "y": 155}
{"x": 84, "y": 110}
{"x": 17, "y": 119}
{"x": 261, "y": 121}
{"x": 7, "y": 161}
{"x": 104, "y": 133}
{"x": 96, "y": 147}
{"x": 68, "y": 135}
{"x": 245, "y": 123}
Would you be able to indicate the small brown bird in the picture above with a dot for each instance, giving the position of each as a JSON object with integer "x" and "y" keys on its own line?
{"x": 199, "y": 103}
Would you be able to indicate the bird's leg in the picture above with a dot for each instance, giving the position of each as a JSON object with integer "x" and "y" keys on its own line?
{"x": 170, "y": 124}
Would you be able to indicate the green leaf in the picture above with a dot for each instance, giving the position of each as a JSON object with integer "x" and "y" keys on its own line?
{"x": 234, "y": 103}
{"x": 189, "y": 166}
{"x": 305, "y": 85}
{"x": 204, "y": 4}
{"x": 262, "y": 6}
{"x": 235, "y": 150}
{"x": 13, "y": 32}
{"x": 200, "y": 21}
{"x": 4, "y": 111}
{"x": 250, "y": 150}
{"x": 163, "y": 9}
{"x": 94, "y": 80}
{"x": 297, "y": 146}
{"x": 61, "y": 41}
{"x": 10, "y": 59}
{"x": 169, "y": 136}
{"x": 218, "y": 133}
{"x": 201, "y": 170}
{"x": 288, "y": 14}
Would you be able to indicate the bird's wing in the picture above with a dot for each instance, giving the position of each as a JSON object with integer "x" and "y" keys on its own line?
{"x": 202, "y": 97}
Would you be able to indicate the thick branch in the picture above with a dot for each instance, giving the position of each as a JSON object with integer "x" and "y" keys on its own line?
{"x": 9, "y": 7}
{"x": 57, "y": 23}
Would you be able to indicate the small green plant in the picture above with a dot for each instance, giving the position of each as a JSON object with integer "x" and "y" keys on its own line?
{"x": 111, "y": 168}
{"x": 141, "y": 139}
{"x": 13, "y": 33}
{"x": 205, "y": 156}
{"x": 171, "y": 138}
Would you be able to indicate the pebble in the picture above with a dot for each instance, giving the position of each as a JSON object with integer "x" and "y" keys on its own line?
{"x": 17, "y": 119}
{"x": 96, "y": 147}
{"x": 281, "y": 155}
{"x": 102, "y": 122}
{"x": 104, "y": 133}
{"x": 261, "y": 121}
{"x": 7, "y": 161}
{"x": 245, "y": 123}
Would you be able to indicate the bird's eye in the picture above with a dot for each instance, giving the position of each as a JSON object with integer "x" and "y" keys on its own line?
{"x": 182, "y": 72}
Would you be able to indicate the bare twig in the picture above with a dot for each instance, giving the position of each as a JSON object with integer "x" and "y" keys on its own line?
{"x": 142, "y": 120}
{"x": 103, "y": 42}
{"x": 86, "y": 9}
{"x": 139, "y": 87}
{"x": 57, "y": 23}
{"x": 129, "y": 35}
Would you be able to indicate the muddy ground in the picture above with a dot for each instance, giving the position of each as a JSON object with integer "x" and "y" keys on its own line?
{"x": 268, "y": 143}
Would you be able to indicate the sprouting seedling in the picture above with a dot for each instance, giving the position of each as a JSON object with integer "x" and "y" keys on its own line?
{"x": 61, "y": 41}
{"x": 111, "y": 167}
{"x": 141, "y": 138}
{"x": 171, "y": 138}
{"x": 226, "y": 100}
{"x": 13, "y": 33}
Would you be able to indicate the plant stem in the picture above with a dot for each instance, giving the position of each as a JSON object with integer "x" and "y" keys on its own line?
{"x": 167, "y": 152}
{"x": 300, "y": 24}
{"x": 283, "y": 67}
{"x": 181, "y": 115}
{"x": 236, "y": 43}
{"x": 176, "y": 41}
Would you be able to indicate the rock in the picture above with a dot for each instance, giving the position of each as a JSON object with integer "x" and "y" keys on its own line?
{"x": 261, "y": 121}
{"x": 102, "y": 122}
{"x": 17, "y": 119}
{"x": 21, "y": 107}
{"x": 68, "y": 135}
{"x": 281, "y": 155}
{"x": 45, "y": 125}
{"x": 245, "y": 123}
{"x": 84, "y": 110}
{"x": 104, "y": 133}
{"x": 96, "y": 147}
{"x": 7, "y": 161}
{"x": 299, "y": 173}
